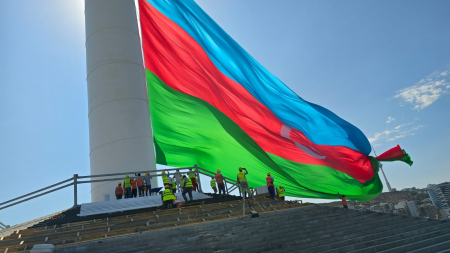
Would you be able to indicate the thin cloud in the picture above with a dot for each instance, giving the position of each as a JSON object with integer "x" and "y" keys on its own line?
{"x": 389, "y": 120}
{"x": 386, "y": 135}
{"x": 427, "y": 90}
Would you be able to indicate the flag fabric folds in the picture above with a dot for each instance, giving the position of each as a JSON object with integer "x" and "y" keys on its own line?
{"x": 213, "y": 105}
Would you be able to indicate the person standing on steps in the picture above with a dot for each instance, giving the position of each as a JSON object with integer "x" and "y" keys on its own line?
{"x": 148, "y": 184}
{"x": 344, "y": 200}
{"x": 166, "y": 180}
{"x": 140, "y": 184}
{"x": 187, "y": 188}
{"x": 220, "y": 184}
{"x": 193, "y": 179}
{"x": 270, "y": 186}
{"x": 242, "y": 181}
{"x": 119, "y": 191}
{"x": 281, "y": 191}
{"x": 133, "y": 188}
{"x": 127, "y": 185}
{"x": 174, "y": 186}
{"x": 213, "y": 185}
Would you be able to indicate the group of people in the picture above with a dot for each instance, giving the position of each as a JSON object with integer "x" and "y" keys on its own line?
{"x": 142, "y": 185}
{"x": 243, "y": 185}
{"x": 131, "y": 186}
{"x": 187, "y": 184}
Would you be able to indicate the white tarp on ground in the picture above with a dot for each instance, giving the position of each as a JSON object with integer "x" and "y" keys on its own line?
{"x": 131, "y": 204}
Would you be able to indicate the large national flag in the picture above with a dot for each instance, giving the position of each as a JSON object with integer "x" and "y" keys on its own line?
{"x": 213, "y": 105}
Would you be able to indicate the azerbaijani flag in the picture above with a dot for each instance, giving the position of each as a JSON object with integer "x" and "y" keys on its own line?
{"x": 213, "y": 105}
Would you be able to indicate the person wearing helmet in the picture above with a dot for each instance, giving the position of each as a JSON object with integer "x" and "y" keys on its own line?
{"x": 187, "y": 188}
{"x": 213, "y": 185}
{"x": 166, "y": 179}
{"x": 147, "y": 183}
{"x": 133, "y": 188}
{"x": 242, "y": 181}
{"x": 270, "y": 186}
{"x": 281, "y": 191}
{"x": 193, "y": 179}
{"x": 119, "y": 191}
{"x": 220, "y": 184}
{"x": 140, "y": 184}
{"x": 127, "y": 185}
{"x": 174, "y": 185}
{"x": 168, "y": 197}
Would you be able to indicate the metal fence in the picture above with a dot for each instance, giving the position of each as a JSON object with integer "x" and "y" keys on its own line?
{"x": 76, "y": 180}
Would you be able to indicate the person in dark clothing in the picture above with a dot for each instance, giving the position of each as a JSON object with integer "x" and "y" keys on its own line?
{"x": 344, "y": 200}
{"x": 187, "y": 188}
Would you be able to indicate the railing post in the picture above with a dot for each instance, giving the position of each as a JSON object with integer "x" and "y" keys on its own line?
{"x": 198, "y": 179}
{"x": 226, "y": 186}
{"x": 75, "y": 193}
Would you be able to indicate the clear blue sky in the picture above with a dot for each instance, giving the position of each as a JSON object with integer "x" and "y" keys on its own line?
{"x": 382, "y": 65}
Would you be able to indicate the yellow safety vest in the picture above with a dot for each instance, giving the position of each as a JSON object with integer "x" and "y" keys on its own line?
{"x": 127, "y": 183}
{"x": 281, "y": 192}
{"x": 165, "y": 180}
{"x": 192, "y": 175}
{"x": 174, "y": 184}
{"x": 168, "y": 195}
{"x": 188, "y": 183}
{"x": 241, "y": 177}
{"x": 213, "y": 184}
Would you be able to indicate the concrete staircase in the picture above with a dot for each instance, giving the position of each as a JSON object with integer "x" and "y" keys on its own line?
{"x": 301, "y": 229}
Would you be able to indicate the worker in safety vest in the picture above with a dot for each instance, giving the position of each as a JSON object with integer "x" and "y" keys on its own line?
{"x": 270, "y": 186}
{"x": 166, "y": 180}
{"x": 174, "y": 186}
{"x": 281, "y": 191}
{"x": 168, "y": 197}
{"x": 220, "y": 184}
{"x": 213, "y": 185}
{"x": 127, "y": 185}
{"x": 344, "y": 200}
{"x": 119, "y": 191}
{"x": 148, "y": 184}
{"x": 187, "y": 188}
{"x": 133, "y": 188}
{"x": 140, "y": 184}
{"x": 242, "y": 180}
{"x": 193, "y": 179}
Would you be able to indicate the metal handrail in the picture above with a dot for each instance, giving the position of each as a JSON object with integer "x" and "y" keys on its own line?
{"x": 23, "y": 196}
{"x": 75, "y": 183}
{"x": 47, "y": 192}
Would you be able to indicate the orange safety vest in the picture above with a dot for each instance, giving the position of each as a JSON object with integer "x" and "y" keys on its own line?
{"x": 269, "y": 181}
{"x": 344, "y": 201}
{"x": 133, "y": 184}
{"x": 140, "y": 182}
{"x": 219, "y": 179}
{"x": 119, "y": 190}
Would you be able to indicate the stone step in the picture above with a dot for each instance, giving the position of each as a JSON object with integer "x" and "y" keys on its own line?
{"x": 295, "y": 236}
{"x": 421, "y": 240}
{"x": 278, "y": 217}
{"x": 443, "y": 247}
{"x": 371, "y": 234}
{"x": 259, "y": 238}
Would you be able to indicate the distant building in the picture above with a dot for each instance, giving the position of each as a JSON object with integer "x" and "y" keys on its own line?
{"x": 407, "y": 208}
{"x": 440, "y": 195}
{"x": 412, "y": 208}
{"x": 393, "y": 190}
{"x": 428, "y": 211}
